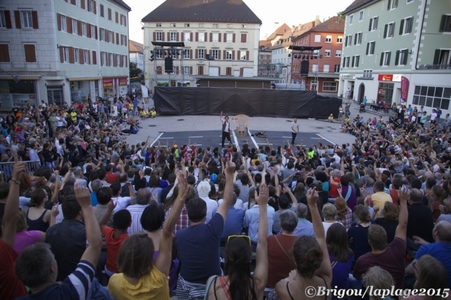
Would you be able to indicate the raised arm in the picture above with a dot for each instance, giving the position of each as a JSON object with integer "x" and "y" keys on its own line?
{"x": 223, "y": 208}
{"x": 163, "y": 261}
{"x": 93, "y": 234}
{"x": 12, "y": 204}
{"x": 325, "y": 270}
{"x": 401, "y": 229}
{"x": 261, "y": 269}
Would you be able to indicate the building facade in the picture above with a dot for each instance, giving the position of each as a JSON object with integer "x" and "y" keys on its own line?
{"x": 398, "y": 51}
{"x": 136, "y": 51}
{"x": 62, "y": 50}
{"x": 214, "y": 38}
{"x": 322, "y": 66}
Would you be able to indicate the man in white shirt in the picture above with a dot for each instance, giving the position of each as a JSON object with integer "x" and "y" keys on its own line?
{"x": 121, "y": 202}
{"x": 203, "y": 189}
{"x": 225, "y": 129}
{"x": 294, "y": 130}
{"x": 143, "y": 199}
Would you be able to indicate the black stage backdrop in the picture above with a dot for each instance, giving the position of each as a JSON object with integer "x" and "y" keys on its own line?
{"x": 251, "y": 102}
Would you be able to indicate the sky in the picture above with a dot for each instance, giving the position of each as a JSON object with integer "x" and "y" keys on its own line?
{"x": 291, "y": 12}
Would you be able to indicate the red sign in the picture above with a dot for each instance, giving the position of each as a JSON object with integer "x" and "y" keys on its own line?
{"x": 385, "y": 77}
{"x": 404, "y": 88}
{"x": 123, "y": 81}
{"x": 108, "y": 83}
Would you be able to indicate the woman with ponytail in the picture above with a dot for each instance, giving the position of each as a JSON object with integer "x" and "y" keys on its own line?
{"x": 238, "y": 282}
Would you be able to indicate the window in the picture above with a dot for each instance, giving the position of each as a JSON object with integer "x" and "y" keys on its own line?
{"x": 244, "y": 38}
{"x": 409, "y": 1}
{"x": 337, "y": 53}
{"x": 351, "y": 19}
{"x": 102, "y": 34}
{"x": 340, "y": 39}
{"x": 229, "y": 37}
{"x": 186, "y": 70}
{"x": 445, "y": 23}
{"x": 315, "y": 68}
{"x": 76, "y": 55}
{"x": 355, "y": 61}
{"x": 63, "y": 23}
{"x": 337, "y": 69}
{"x": 158, "y": 25}
{"x": 110, "y": 15}
{"x": 26, "y": 18}
{"x": 328, "y": 39}
{"x": 102, "y": 11}
{"x": 215, "y": 54}
{"x": 215, "y": 25}
{"x": 229, "y": 55}
{"x": 201, "y": 53}
{"x": 243, "y": 55}
{"x": 158, "y": 54}
{"x": 201, "y": 25}
{"x": 74, "y": 26}
{"x": 346, "y": 62}
{"x": 65, "y": 54}
{"x": 187, "y": 37}
{"x": 373, "y": 24}
{"x": 30, "y": 53}
{"x": 4, "y": 53}
{"x": 93, "y": 31}
{"x": 186, "y": 25}
{"x": 326, "y": 69}
{"x": 110, "y": 60}
{"x": 406, "y": 26}
{"x": 173, "y": 36}
{"x": 392, "y": 4}
{"x": 385, "y": 59}
{"x": 124, "y": 20}
{"x": 159, "y": 36}
{"x": 201, "y": 36}
{"x": 389, "y": 30}
{"x": 361, "y": 16}
{"x": 215, "y": 37}
{"x": 110, "y": 37}
{"x": 200, "y": 70}
{"x": 358, "y": 38}
{"x": 368, "y": 73}
{"x": 2, "y": 19}
{"x": 431, "y": 96}
{"x": 186, "y": 54}
{"x": 348, "y": 41}
{"x": 173, "y": 25}
{"x": 370, "y": 47}
{"x": 401, "y": 57}
{"x": 442, "y": 57}
{"x": 83, "y": 28}
{"x": 123, "y": 40}
{"x": 329, "y": 86}
{"x": 327, "y": 53}
{"x": 317, "y": 38}
{"x": 102, "y": 58}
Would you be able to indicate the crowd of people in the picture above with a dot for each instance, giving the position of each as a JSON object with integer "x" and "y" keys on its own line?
{"x": 85, "y": 215}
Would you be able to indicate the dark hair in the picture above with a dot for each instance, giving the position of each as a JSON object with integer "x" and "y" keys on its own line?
{"x": 337, "y": 242}
{"x": 152, "y": 217}
{"x": 307, "y": 255}
{"x": 238, "y": 256}
{"x": 104, "y": 195}
{"x": 377, "y": 237}
{"x": 378, "y": 186}
{"x": 37, "y": 197}
{"x": 122, "y": 219}
{"x": 70, "y": 207}
{"x": 197, "y": 209}
{"x": 4, "y": 189}
{"x": 391, "y": 211}
{"x": 33, "y": 264}
{"x": 115, "y": 188}
{"x": 284, "y": 201}
{"x": 135, "y": 257}
{"x": 154, "y": 181}
{"x": 362, "y": 213}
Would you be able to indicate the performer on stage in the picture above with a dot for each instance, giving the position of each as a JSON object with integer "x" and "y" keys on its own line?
{"x": 294, "y": 130}
{"x": 225, "y": 129}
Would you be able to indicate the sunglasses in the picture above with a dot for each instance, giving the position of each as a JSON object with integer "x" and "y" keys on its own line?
{"x": 243, "y": 236}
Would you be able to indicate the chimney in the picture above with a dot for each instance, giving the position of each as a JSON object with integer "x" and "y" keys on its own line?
{"x": 317, "y": 20}
{"x": 276, "y": 25}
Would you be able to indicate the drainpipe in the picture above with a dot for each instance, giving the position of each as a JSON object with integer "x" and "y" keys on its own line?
{"x": 418, "y": 41}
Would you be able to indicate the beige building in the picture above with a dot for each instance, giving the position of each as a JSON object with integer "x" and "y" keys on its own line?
{"x": 213, "y": 38}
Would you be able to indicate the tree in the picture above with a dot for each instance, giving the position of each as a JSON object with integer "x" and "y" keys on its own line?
{"x": 136, "y": 74}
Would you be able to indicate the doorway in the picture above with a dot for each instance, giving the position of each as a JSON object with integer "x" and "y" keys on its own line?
{"x": 55, "y": 95}
{"x": 361, "y": 93}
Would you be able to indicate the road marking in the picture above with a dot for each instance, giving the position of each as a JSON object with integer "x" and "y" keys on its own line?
{"x": 196, "y": 137}
{"x": 286, "y": 137}
{"x": 252, "y": 138}
{"x": 154, "y": 141}
{"x": 236, "y": 144}
{"x": 325, "y": 139}
{"x": 167, "y": 138}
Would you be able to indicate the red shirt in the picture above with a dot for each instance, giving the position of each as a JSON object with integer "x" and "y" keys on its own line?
{"x": 279, "y": 264}
{"x": 111, "y": 177}
{"x": 112, "y": 247}
{"x": 10, "y": 286}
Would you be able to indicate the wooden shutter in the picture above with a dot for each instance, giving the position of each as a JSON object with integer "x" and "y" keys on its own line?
{"x": 191, "y": 70}
{"x": 211, "y": 37}
{"x": 117, "y": 38}
{"x": 191, "y": 53}
{"x": 94, "y": 57}
{"x": 71, "y": 55}
{"x": 116, "y": 15}
{"x": 107, "y": 35}
{"x": 159, "y": 70}
{"x": 219, "y": 54}
{"x": 34, "y": 16}
{"x": 225, "y": 37}
{"x": 241, "y": 72}
{"x": 243, "y": 38}
{"x": 4, "y": 53}
{"x": 61, "y": 54}
{"x": 197, "y": 36}
{"x": 17, "y": 19}
{"x": 114, "y": 60}
{"x": 58, "y": 21}
{"x": 247, "y": 55}
{"x": 169, "y": 36}
{"x": 233, "y": 54}
{"x": 178, "y": 36}
{"x": 200, "y": 70}
{"x": 224, "y": 54}
{"x": 95, "y": 7}
{"x": 88, "y": 30}
{"x": 81, "y": 59}
{"x": 30, "y": 53}
{"x": 73, "y": 2}
{"x": 8, "y": 19}
{"x": 183, "y": 36}
{"x": 219, "y": 37}
{"x": 401, "y": 27}
{"x": 205, "y": 36}
{"x": 190, "y": 36}
{"x": 96, "y": 32}
{"x": 80, "y": 30}
{"x": 82, "y": 4}
{"x": 228, "y": 71}
{"x": 233, "y": 39}
{"x": 69, "y": 24}
{"x": 154, "y": 36}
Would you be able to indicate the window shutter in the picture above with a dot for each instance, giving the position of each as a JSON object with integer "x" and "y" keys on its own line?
{"x": 69, "y": 24}
{"x": 200, "y": 70}
{"x": 219, "y": 71}
{"x": 95, "y": 6}
{"x": 82, "y": 4}
{"x": 183, "y": 36}
{"x": 388, "y": 59}
{"x": 107, "y": 36}
{"x": 159, "y": 70}
{"x": 243, "y": 38}
{"x": 224, "y": 54}
{"x": 34, "y": 16}
{"x": 8, "y": 19}
{"x": 169, "y": 36}
{"x": 58, "y": 21}
{"x": 82, "y": 57}
{"x": 126, "y": 63}
{"x": 197, "y": 53}
{"x": 355, "y": 39}
{"x": 241, "y": 72}
{"x": 71, "y": 55}
{"x": 117, "y": 38}
{"x": 404, "y": 60}
{"x": 191, "y": 36}
{"x": 219, "y": 54}
{"x": 154, "y": 36}
{"x": 116, "y": 17}
{"x": 225, "y": 37}
{"x": 205, "y": 36}
{"x": 393, "y": 32}
{"x": 30, "y": 53}
{"x": 61, "y": 54}
{"x": 219, "y": 37}
{"x": 88, "y": 30}
{"x": 89, "y": 57}
{"x": 197, "y": 36}
{"x": 191, "y": 53}
{"x": 4, "y": 53}
{"x": 436, "y": 57}
{"x": 79, "y": 28}
{"x": 178, "y": 36}
{"x": 233, "y": 39}
{"x": 97, "y": 37}
{"x": 367, "y": 48}
{"x": 211, "y": 37}
{"x": 385, "y": 31}
{"x": 346, "y": 41}
{"x": 401, "y": 27}
{"x": 94, "y": 57}
{"x": 370, "y": 26}
{"x": 17, "y": 19}
{"x": 397, "y": 58}
{"x": 233, "y": 54}
{"x": 382, "y": 59}
{"x": 247, "y": 55}
{"x": 442, "y": 23}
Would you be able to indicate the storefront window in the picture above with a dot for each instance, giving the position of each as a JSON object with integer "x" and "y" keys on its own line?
{"x": 385, "y": 92}
{"x": 431, "y": 96}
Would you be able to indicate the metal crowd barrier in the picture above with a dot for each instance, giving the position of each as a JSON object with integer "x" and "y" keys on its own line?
{"x": 6, "y": 168}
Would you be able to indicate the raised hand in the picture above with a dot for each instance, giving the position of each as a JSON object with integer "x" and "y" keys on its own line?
{"x": 262, "y": 198}
{"x": 230, "y": 168}
{"x": 83, "y": 196}
{"x": 312, "y": 196}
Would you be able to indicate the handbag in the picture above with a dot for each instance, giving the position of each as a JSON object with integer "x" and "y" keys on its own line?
{"x": 285, "y": 252}
{"x": 210, "y": 281}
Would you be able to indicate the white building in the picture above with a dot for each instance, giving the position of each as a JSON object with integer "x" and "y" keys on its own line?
{"x": 136, "y": 51}
{"x": 62, "y": 50}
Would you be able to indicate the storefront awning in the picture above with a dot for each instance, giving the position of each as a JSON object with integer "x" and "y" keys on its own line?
{"x": 84, "y": 78}
{"x": 21, "y": 77}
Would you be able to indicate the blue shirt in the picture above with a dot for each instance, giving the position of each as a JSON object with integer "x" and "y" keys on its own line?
{"x": 251, "y": 219}
{"x": 440, "y": 251}
{"x": 233, "y": 224}
{"x": 304, "y": 227}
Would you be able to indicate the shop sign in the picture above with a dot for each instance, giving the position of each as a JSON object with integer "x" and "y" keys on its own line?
{"x": 347, "y": 76}
{"x": 385, "y": 77}
{"x": 123, "y": 81}
{"x": 108, "y": 83}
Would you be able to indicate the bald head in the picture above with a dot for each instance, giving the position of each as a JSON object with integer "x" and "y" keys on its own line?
{"x": 442, "y": 231}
